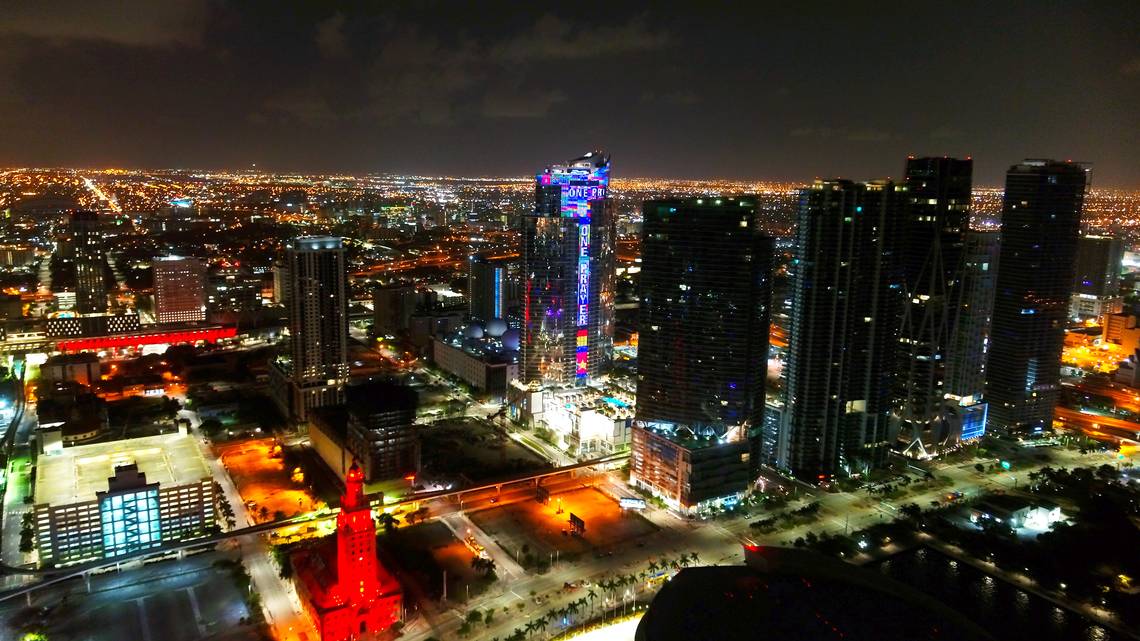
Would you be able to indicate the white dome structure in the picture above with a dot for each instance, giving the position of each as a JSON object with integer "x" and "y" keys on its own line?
{"x": 496, "y": 327}
{"x": 511, "y": 339}
{"x": 474, "y": 330}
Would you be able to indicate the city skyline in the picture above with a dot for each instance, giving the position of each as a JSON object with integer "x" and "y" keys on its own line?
{"x": 442, "y": 321}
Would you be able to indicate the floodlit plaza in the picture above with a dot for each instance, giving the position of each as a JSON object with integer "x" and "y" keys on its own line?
{"x": 541, "y": 528}
{"x": 264, "y": 483}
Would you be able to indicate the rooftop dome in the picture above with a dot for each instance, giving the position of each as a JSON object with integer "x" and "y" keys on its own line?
{"x": 496, "y": 327}
{"x": 511, "y": 339}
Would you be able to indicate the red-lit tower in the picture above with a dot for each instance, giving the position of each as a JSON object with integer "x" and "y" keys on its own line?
{"x": 356, "y": 562}
{"x": 349, "y": 596}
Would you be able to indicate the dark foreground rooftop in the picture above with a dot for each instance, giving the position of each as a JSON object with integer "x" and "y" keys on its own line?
{"x": 782, "y": 594}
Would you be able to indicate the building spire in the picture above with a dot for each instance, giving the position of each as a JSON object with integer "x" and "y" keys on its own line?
{"x": 353, "y": 489}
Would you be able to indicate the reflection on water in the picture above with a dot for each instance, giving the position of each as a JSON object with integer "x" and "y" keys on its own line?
{"x": 1005, "y": 611}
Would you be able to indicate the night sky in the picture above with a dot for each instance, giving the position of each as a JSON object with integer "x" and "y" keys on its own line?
{"x": 703, "y": 90}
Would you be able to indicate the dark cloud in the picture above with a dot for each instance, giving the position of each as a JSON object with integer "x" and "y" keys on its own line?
{"x": 700, "y": 89}
{"x": 129, "y": 22}
{"x": 553, "y": 38}
{"x": 330, "y": 37}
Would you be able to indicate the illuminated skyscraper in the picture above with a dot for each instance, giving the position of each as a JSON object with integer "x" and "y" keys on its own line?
{"x": 706, "y": 280}
{"x": 87, "y": 250}
{"x": 492, "y": 288}
{"x": 568, "y": 273}
{"x": 315, "y": 370}
{"x": 1040, "y": 225}
{"x": 934, "y": 234}
{"x": 846, "y": 310}
{"x": 970, "y": 340}
{"x": 179, "y": 290}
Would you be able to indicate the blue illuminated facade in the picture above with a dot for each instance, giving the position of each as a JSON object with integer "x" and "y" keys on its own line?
{"x": 568, "y": 270}
{"x": 129, "y": 513}
{"x": 974, "y": 421}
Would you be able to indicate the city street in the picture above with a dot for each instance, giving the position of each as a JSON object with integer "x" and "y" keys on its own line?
{"x": 282, "y": 609}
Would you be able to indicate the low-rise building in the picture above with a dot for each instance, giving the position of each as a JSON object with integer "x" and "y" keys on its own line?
{"x": 688, "y": 471}
{"x": 82, "y": 368}
{"x": 1015, "y": 512}
{"x": 106, "y": 500}
{"x": 71, "y": 410}
{"x": 588, "y": 422}
{"x": 486, "y": 358}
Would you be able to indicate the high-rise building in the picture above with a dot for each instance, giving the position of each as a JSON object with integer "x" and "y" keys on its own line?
{"x": 970, "y": 339}
{"x": 706, "y": 284}
{"x": 87, "y": 251}
{"x": 1040, "y": 224}
{"x": 846, "y": 311}
{"x": 1096, "y": 287}
{"x": 568, "y": 273}
{"x": 492, "y": 287}
{"x": 314, "y": 371}
{"x": 179, "y": 290}
{"x": 966, "y": 408}
{"x": 933, "y": 234}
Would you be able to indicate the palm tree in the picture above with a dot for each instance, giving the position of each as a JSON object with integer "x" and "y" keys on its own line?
{"x": 540, "y": 623}
{"x": 653, "y": 566}
{"x": 572, "y": 609}
{"x": 641, "y": 577}
{"x": 387, "y": 521}
{"x": 591, "y": 595}
{"x": 694, "y": 558}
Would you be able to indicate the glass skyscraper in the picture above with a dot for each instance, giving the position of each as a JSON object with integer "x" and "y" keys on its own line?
{"x": 846, "y": 309}
{"x": 706, "y": 280}
{"x": 1040, "y": 226}
{"x": 568, "y": 274}
{"x": 934, "y": 235}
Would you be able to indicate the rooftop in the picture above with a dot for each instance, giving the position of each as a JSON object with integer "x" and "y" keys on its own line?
{"x": 796, "y": 594}
{"x": 77, "y": 473}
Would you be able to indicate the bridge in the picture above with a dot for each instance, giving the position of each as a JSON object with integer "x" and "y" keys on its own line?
{"x": 53, "y": 576}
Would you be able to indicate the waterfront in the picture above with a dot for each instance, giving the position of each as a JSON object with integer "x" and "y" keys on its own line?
{"x": 1002, "y": 609}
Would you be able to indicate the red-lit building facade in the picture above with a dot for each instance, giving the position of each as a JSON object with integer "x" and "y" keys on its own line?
{"x": 346, "y": 591}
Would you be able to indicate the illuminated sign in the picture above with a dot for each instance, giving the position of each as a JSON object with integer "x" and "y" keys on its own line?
{"x": 172, "y": 337}
{"x": 497, "y": 295}
{"x": 630, "y": 503}
{"x": 580, "y": 185}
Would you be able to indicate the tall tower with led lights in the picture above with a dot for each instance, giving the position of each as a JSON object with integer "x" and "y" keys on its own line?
{"x": 568, "y": 274}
